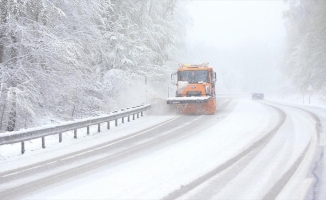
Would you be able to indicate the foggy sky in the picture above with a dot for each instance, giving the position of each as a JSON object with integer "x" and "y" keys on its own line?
{"x": 243, "y": 39}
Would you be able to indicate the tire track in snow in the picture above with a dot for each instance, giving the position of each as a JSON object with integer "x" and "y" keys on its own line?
{"x": 276, "y": 191}
{"x": 81, "y": 152}
{"x": 256, "y": 145}
{"x": 179, "y": 132}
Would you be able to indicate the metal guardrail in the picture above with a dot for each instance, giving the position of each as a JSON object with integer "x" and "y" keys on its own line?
{"x": 41, "y": 132}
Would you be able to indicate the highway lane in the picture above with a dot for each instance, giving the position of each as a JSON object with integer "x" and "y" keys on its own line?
{"x": 160, "y": 172}
{"x": 27, "y": 180}
{"x": 216, "y": 181}
{"x": 248, "y": 150}
{"x": 278, "y": 169}
{"x": 317, "y": 173}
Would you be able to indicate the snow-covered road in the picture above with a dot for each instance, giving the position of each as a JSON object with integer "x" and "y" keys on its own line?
{"x": 248, "y": 150}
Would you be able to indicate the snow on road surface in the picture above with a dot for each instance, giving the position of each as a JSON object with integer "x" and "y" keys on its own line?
{"x": 165, "y": 168}
{"x": 11, "y": 158}
{"x": 318, "y": 175}
{"x": 156, "y": 174}
{"x": 255, "y": 176}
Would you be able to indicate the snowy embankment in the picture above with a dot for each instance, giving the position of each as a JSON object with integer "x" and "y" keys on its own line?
{"x": 158, "y": 173}
{"x": 11, "y": 157}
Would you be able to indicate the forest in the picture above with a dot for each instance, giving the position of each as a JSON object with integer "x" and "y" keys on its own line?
{"x": 63, "y": 60}
{"x": 304, "y": 56}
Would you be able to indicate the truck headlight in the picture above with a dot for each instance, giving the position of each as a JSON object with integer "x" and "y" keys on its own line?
{"x": 207, "y": 89}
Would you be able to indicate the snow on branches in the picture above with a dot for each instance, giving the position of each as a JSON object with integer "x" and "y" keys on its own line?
{"x": 56, "y": 55}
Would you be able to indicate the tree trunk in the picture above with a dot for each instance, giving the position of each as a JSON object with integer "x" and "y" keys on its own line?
{"x": 13, "y": 82}
{"x": 2, "y": 113}
{"x": 12, "y": 115}
{"x": 3, "y": 21}
{"x": 73, "y": 111}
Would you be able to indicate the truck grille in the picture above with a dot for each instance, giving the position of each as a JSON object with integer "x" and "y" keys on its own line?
{"x": 194, "y": 94}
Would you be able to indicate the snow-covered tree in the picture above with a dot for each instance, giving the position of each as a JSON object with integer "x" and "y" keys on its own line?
{"x": 305, "y": 57}
{"x": 57, "y": 56}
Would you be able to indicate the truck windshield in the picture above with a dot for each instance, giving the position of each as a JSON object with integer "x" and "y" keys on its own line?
{"x": 193, "y": 76}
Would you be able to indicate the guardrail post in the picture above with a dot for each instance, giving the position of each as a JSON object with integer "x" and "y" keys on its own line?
{"x": 141, "y": 113}
{"x": 137, "y": 115}
{"x": 87, "y": 130}
{"x": 43, "y": 142}
{"x": 108, "y": 125}
{"x": 116, "y": 122}
{"x": 128, "y": 118}
{"x": 75, "y": 134}
{"x": 60, "y": 137}
{"x": 133, "y": 116}
{"x": 99, "y": 128}
{"x": 123, "y": 120}
{"x": 23, "y": 147}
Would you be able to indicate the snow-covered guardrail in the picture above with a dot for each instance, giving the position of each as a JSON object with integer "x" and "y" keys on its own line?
{"x": 41, "y": 132}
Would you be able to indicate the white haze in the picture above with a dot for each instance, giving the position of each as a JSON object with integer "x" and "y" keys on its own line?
{"x": 242, "y": 40}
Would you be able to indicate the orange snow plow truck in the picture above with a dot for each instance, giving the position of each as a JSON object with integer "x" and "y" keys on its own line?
{"x": 195, "y": 89}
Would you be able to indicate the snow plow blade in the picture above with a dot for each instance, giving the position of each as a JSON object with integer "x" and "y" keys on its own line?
{"x": 194, "y": 105}
{"x": 181, "y": 100}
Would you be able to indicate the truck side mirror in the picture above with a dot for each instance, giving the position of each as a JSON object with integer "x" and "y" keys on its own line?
{"x": 214, "y": 77}
{"x": 174, "y": 78}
